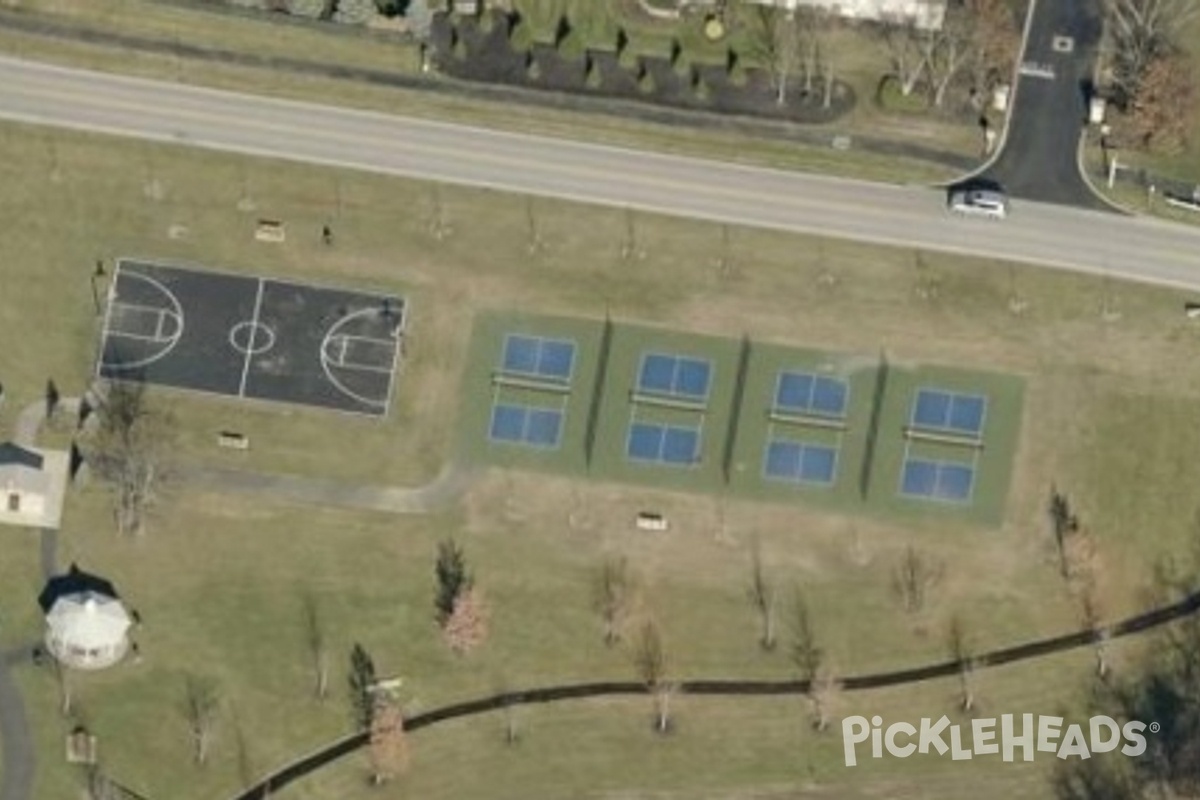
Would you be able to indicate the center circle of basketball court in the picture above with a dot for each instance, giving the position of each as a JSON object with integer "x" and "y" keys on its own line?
{"x": 251, "y": 338}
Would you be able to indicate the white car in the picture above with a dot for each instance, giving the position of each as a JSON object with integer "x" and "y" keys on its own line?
{"x": 979, "y": 202}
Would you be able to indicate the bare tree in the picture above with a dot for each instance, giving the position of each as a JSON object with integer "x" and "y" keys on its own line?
{"x": 775, "y": 42}
{"x": 1163, "y": 106}
{"x": 995, "y": 44}
{"x": 904, "y": 43}
{"x": 245, "y": 765}
{"x": 1063, "y": 522}
{"x": 53, "y": 397}
{"x": 961, "y": 653}
{"x": 824, "y": 693}
{"x": 467, "y": 626}
{"x": 1142, "y": 30}
{"x": 614, "y": 591}
{"x": 1092, "y": 615}
{"x": 914, "y": 578}
{"x": 814, "y": 23}
{"x": 805, "y": 652}
{"x": 650, "y": 660}
{"x": 99, "y": 785}
{"x": 131, "y": 452}
{"x": 761, "y": 593}
{"x": 315, "y": 640}
{"x": 535, "y": 244}
{"x": 201, "y": 702}
{"x": 388, "y": 740}
{"x": 1083, "y": 572}
{"x": 512, "y": 728}
{"x": 947, "y": 49}
{"x": 630, "y": 246}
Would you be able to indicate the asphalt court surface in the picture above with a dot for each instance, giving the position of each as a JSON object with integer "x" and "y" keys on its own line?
{"x": 249, "y": 337}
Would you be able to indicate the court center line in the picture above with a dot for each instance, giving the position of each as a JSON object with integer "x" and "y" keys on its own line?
{"x": 250, "y": 344}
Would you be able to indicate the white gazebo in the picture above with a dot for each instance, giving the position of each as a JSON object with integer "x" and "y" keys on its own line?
{"x": 87, "y": 627}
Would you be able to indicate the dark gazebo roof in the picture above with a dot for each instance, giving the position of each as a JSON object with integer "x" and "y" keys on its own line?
{"x": 74, "y": 581}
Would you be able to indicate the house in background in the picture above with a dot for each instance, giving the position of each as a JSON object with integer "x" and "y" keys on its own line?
{"x": 32, "y": 485}
{"x": 924, "y": 14}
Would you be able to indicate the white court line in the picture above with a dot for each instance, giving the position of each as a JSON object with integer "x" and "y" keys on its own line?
{"x": 137, "y": 337}
{"x": 158, "y": 324}
{"x": 113, "y": 300}
{"x": 348, "y": 339}
{"x": 253, "y": 329}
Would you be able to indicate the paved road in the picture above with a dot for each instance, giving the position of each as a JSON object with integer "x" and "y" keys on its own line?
{"x": 908, "y": 216}
{"x": 1039, "y": 160}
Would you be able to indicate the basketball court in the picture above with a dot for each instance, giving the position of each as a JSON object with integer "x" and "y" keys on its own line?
{"x": 257, "y": 338}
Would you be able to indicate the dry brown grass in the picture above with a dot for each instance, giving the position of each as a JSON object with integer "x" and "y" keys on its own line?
{"x": 1108, "y": 417}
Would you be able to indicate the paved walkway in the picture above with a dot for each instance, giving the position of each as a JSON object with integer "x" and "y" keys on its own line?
{"x": 16, "y": 745}
{"x": 434, "y": 496}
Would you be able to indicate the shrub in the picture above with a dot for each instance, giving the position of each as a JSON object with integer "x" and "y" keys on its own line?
{"x": 683, "y": 66}
{"x": 645, "y": 80}
{"x": 595, "y": 77}
{"x": 520, "y": 36}
{"x": 714, "y": 29}
{"x": 628, "y": 59}
{"x": 571, "y": 47}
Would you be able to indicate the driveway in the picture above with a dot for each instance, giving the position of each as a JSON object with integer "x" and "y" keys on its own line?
{"x": 1039, "y": 160}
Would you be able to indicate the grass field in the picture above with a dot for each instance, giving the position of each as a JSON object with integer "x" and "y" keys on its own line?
{"x": 1109, "y": 380}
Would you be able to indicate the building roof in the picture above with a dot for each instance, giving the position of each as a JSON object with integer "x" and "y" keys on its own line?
{"x": 74, "y": 582}
{"x": 89, "y": 621}
{"x": 15, "y": 455}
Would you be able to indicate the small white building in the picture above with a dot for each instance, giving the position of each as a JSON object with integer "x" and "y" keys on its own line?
{"x": 32, "y": 485}
{"x": 87, "y": 626}
{"x": 23, "y": 481}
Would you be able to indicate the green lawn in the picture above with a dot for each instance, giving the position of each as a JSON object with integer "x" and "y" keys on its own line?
{"x": 219, "y": 579}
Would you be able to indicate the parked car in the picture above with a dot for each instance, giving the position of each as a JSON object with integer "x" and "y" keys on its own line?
{"x": 979, "y": 202}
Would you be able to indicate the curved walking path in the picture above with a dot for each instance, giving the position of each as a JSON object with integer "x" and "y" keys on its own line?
{"x": 443, "y": 490}
{"x": 448, "y": 486}
{"x": 16, "y": 748}
{"x": 1021, "y": 652}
